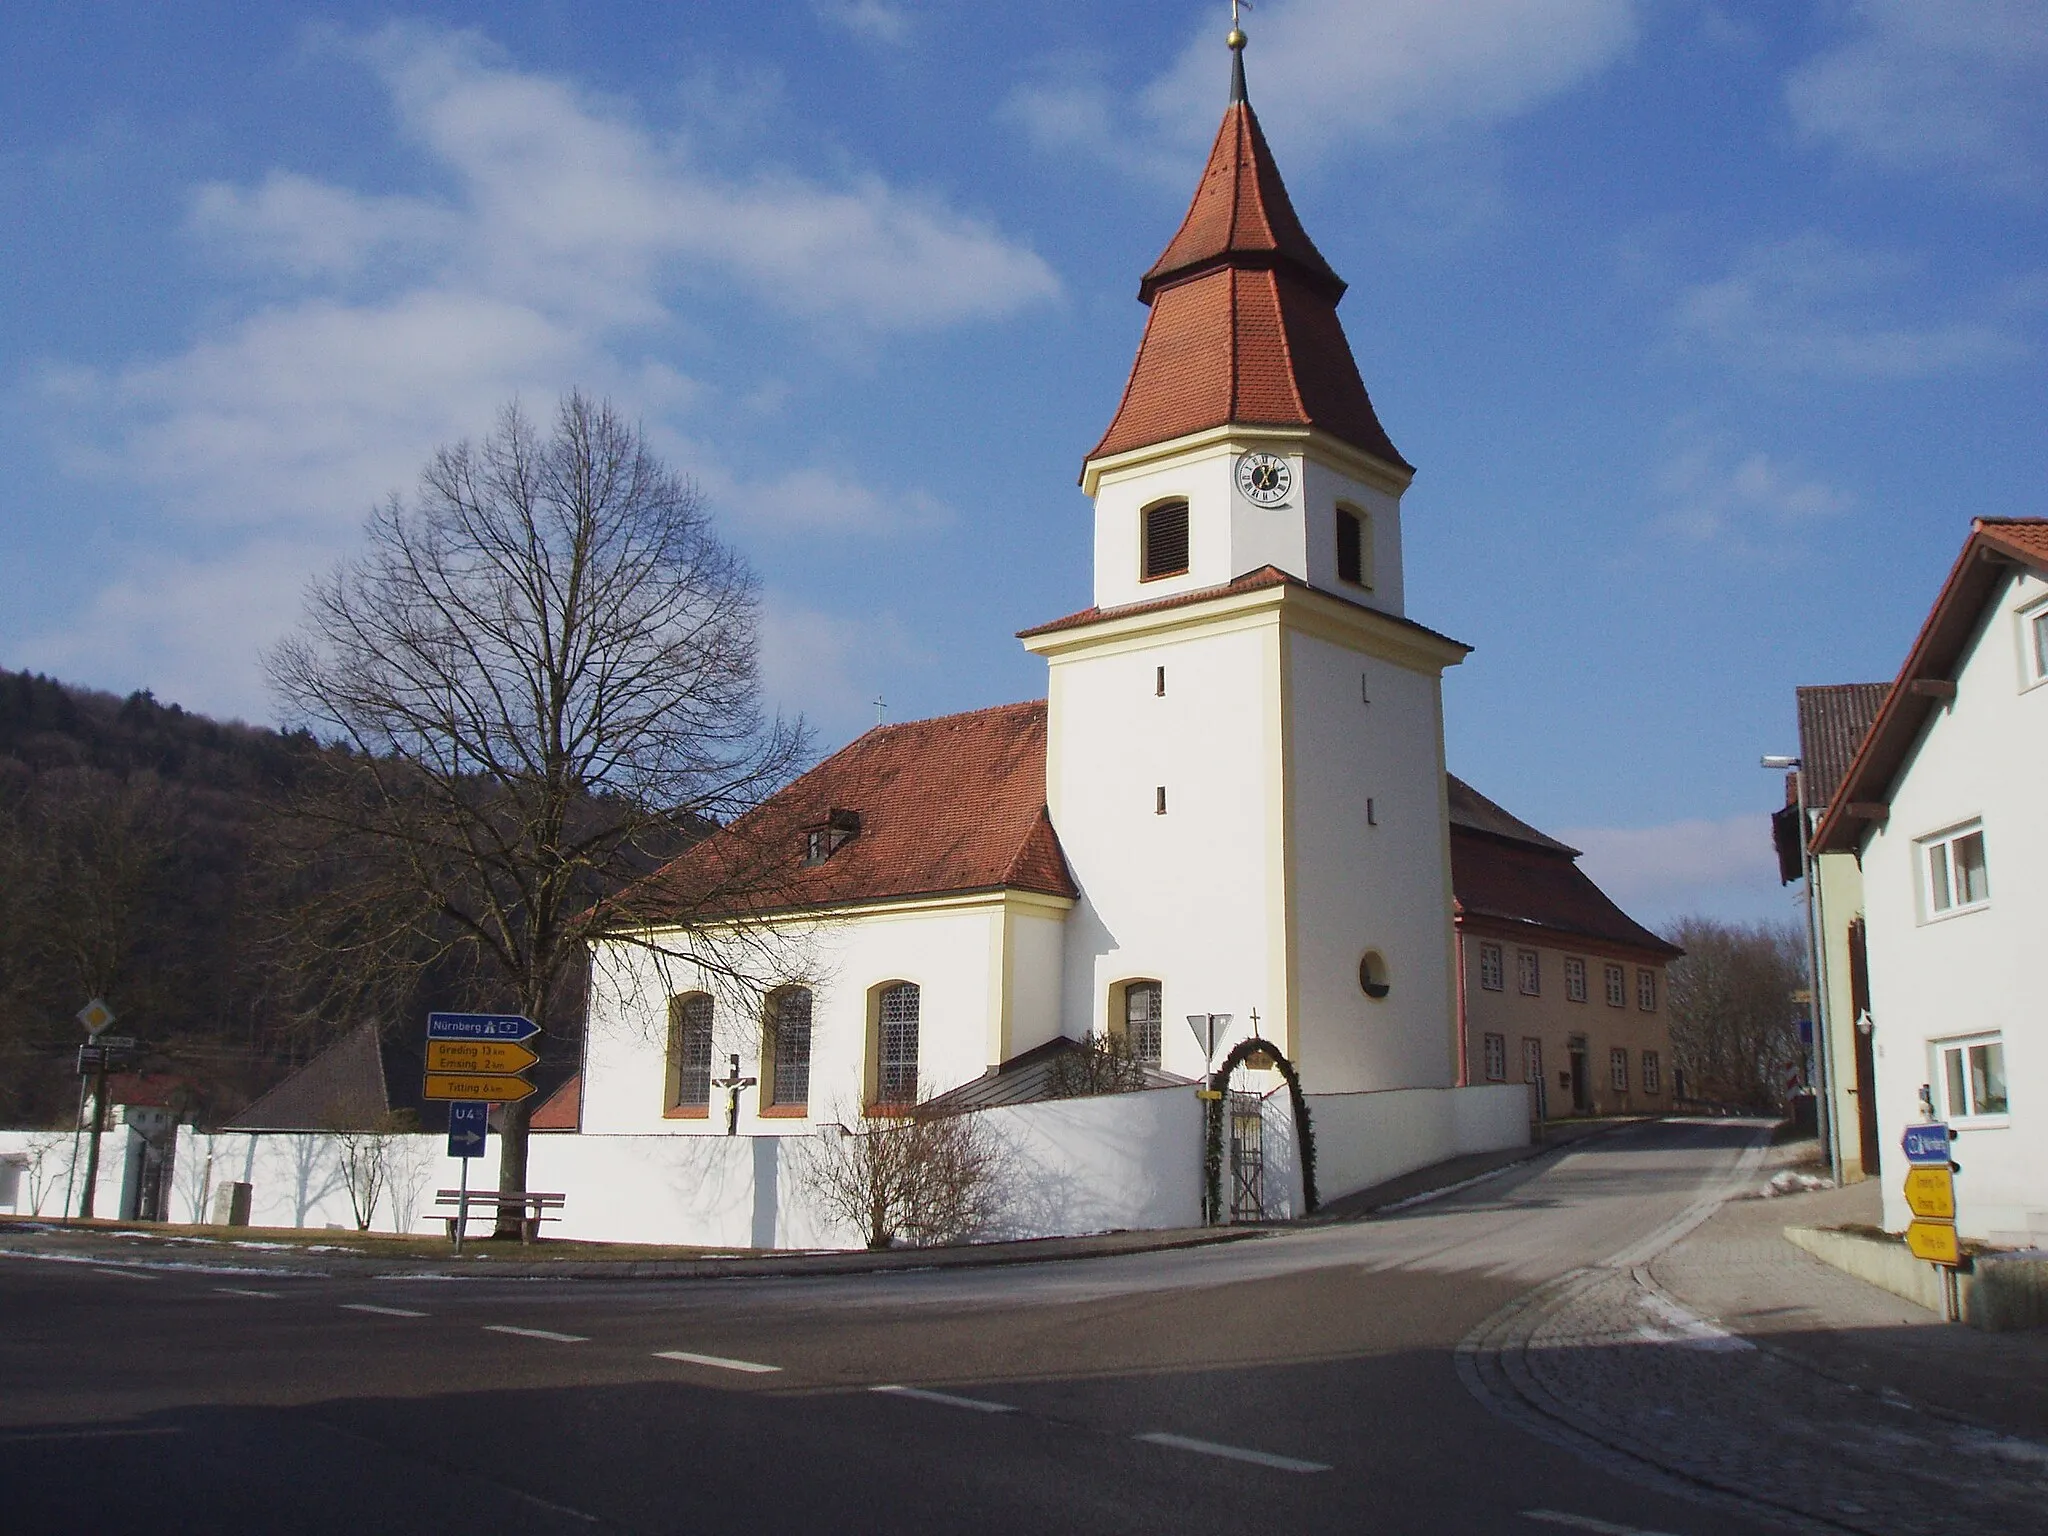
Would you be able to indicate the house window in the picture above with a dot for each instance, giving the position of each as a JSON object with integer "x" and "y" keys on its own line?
{"x": 1496, "y": 1058}
{"x": 1529, "y": 972}
{"x": 1617, "y": 1069}
{"x": 789, "y": 1026}
{"x": 1143, "y": 1013}
{"x": 1646, "y": 991}
{"x": 1491, "y": 973}
{"x": 1159, "y": 800}
{"x": 1956, "y": 876}
{"x": 2034, "y": 640}
{"x": 1972, "y": 1074}
{"x": 1575, "y": 978}
{"x": 1353, "y": 551}
{"x": 1166, "y": 540}
{"x": 896, "y": 1057}
{"x": 1617, "y": 987}
{"x": 1159, "y": 682}
{"x": 1653, "y": 1073}
{"x": 689, "y": 1053}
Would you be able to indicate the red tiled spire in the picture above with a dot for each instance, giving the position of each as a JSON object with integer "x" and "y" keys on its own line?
{"x": 1244, "y": 327}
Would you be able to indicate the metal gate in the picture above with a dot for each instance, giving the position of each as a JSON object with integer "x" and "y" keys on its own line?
{"x": 1247, "y": 1157}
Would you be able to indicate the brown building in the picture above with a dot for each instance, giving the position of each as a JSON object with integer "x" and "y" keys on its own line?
{"x": 1557, "y": 986}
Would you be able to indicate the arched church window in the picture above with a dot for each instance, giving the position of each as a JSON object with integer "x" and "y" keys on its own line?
{"x": 789, "y": 1028}
{"x": 1142, "y": 1015}
{"x": 1166, "y": 540}
{"x": 896, "y": 1025}
{"x": 689, "y": 1053}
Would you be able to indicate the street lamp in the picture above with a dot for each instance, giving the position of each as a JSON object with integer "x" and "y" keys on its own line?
{"x": 1817, "y": 1005}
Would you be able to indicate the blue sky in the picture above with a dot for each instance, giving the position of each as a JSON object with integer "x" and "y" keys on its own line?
{"x": 1709, "y": 326}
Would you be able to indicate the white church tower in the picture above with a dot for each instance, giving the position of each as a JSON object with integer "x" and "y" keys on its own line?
{"x": 1244, "y": 756}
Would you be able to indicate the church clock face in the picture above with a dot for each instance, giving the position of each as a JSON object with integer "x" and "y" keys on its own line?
{"x": 1264, "y": 478}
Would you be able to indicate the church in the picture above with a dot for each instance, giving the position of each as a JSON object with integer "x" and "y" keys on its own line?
{"x": 1227, "y": 821}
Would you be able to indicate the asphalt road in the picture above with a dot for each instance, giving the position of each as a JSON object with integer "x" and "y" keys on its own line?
{"x": 1303, "y": 1381}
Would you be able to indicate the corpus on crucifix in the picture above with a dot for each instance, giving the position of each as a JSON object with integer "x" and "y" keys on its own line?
{"x": 732, "y": 1083}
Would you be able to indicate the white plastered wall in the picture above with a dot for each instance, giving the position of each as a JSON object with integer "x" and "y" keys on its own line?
{"x": 1359, "y": 887}
{"x": 953, "y": 949}
{"x": 1188, "y": 898}
{"x": 1980, "y": 757}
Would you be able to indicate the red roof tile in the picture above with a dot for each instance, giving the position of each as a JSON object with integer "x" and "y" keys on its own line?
{"x": 1244, "y": 328}
{"x": 1995, "y": 545}
{"x": 945, "y": 805}
{"x": 562, "y": 1110}
{"x": 1521, "y": 885}
{"x": 1832, "y": 721}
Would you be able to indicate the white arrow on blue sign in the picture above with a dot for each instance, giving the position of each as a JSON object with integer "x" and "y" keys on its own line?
{"x": 480, "y": 1026}
{"x": 1926, "y": 1143}
{"x": 468, "y": 1124}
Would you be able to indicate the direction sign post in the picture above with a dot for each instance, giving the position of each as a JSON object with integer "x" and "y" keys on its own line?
{"x": 478, "y": 1056}
{"x": 468, "y": 1124}
{"x": 1931, "y": 1194}
{"x": 474, "y": 1061}
{"x": 480, "y": 1026}
{"x": 1935, "y": 1241}
{"x": 1926, "y": 1143}
{"x": 1931, "y": 1197}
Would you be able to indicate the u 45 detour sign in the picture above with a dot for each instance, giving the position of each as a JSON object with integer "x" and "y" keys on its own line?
{"x": 477, "y": 1056}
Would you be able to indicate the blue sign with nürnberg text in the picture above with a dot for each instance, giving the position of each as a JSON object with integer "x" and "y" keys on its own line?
{"x": 468, "y": 1125}
{"x": 480, "y": 1026}
{"x": 1926, "y": 1143}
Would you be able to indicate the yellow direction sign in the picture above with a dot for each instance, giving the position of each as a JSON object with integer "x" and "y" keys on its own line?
{"x": 1934, "y": 1241}
{"x": 469, "y": 1056}
{"x": 1931, "y": 1192}
{"x": 476, "y": 1088}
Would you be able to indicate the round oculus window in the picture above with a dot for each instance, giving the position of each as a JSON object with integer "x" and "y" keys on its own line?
{"x": 1372, "y": 975}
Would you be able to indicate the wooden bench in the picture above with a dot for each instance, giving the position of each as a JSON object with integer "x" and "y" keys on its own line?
{"x": 533, "y": 1208}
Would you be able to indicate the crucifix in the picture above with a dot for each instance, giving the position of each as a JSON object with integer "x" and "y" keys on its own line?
{"x": 732, "y": 1083}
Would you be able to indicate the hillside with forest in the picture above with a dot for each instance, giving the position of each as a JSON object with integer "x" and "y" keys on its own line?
{"x": 134, "y": 842}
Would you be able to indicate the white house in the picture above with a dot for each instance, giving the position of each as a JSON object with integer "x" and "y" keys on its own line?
{"x": 1944, "y": 807}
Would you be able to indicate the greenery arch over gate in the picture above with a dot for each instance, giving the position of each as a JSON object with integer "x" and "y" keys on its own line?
{"x": 1304, "y": 1132}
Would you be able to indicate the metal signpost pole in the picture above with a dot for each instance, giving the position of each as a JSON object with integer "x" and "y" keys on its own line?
{"x": 77, "y": 1126}
{"x": 92, "y": 1149}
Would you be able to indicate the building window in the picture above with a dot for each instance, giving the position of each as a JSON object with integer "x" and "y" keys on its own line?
{"x": 1653, "y": 1073}
{"x": 689, "y": 1053}
{"x": 1496, "y": 1058}
{"x": 1492, "y": 975}
{"x": 1529, "y": 972}
{"x": 896, "y": 1053}
{"x": 2034, "y": 640}
{"x": 1956, "y": 877}
{"x": 1159, "y": 682}
{"x": 789, "y": 1029}
{"x": 1354, "y": 548}
{"x": 1166, "y": 540}
{"x": 1617, "y": 987}
{"x": 1972, "y": 1075}
{"x": 1143, "y": 1013}
{"x": 1159, "y": 800}
{"x": 1575, "y": 978}
{"x": 1617, "y": 1069}
{"x": 1646, "y": 991}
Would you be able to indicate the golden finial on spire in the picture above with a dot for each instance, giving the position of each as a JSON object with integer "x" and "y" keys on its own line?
{"x": 1236, "y": 38}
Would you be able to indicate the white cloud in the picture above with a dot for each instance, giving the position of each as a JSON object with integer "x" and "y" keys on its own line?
{"x": 1720, "y": 868}
{"x": 829, "y": 668}
{"x": 1813, "y": 306}
{"x": 1713, "y": 492}
{"x": 1936, "y": 86}
{"x": 566, "y": 232}
{"x": 818, "y": 500}
{"x": 872, "y": 20}
{"x": 1333, "y": 74}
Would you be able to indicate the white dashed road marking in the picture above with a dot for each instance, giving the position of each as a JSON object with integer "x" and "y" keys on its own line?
{"x": 1232, "y": 1452}
{"x": 364, "y": 1306}
{"x": 536, "y": 1333}
{"x": 232, "y": 1290}
{"x": 1586, "y": 1523}
{"x": 717, "y": 1362}
{"x": 978, "y": 1405}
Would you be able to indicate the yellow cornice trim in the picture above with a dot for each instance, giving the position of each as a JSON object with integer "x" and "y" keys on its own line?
{"x": 1356, "y": 462}
{"x": 990, "y": 898}
{"x": 1303, "y": 610}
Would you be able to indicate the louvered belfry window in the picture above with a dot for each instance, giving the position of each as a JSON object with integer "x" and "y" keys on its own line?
{"x": 1350, "y": 555}
{"x": 896, "y": 1077}
{"x": 1166, "y": 540}
{"x": 792, "y": 1025}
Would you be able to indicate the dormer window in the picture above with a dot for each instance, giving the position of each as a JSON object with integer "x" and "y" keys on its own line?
{"x": 821, "y": 842}
{"x": 1166, "y": 540}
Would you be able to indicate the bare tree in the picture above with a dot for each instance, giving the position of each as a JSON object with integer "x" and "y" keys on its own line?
{"x": 545, "y": 669}
{"x": 364, "y": 1153}
{"x": 1733, "y": 1013}
{"x": 1101, "y": 1064}
{"x": 42, "y": 1165}
{"x": 920, "y": 1177}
